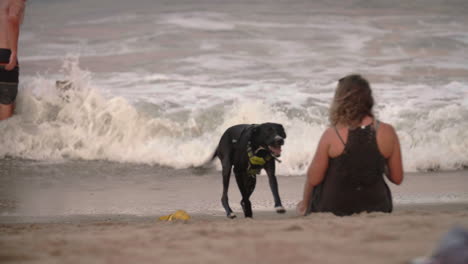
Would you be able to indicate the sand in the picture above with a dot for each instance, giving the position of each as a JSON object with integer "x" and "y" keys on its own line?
{"x": 49, "y": 217}
{"x": 269, "y": 238}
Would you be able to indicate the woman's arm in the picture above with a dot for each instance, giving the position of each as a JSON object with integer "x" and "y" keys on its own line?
{"x": 394, "y": 161}
{"x": 316, "y": 171}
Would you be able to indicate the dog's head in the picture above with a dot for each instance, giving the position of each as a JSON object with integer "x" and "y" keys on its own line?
{"x": 269, "y": 136}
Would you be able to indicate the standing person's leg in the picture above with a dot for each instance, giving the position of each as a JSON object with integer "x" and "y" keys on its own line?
{"x": 8, "y": 91}
{"x": 11, "y": 14}
{"x": 6, "y": 111}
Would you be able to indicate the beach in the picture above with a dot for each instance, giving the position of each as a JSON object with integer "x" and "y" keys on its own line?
{"x": 57, "y": 220}
{"x": 322, "y": 238}
{"x": 121, "y": 105}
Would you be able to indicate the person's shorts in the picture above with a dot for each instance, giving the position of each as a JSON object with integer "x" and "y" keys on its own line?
{"x": 8, "y": 85}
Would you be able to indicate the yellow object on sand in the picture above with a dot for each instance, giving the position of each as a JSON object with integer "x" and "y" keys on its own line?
{"x": 178, "y": 215}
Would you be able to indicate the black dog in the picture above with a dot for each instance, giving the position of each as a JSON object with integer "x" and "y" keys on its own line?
{"x": 250, "y": 148}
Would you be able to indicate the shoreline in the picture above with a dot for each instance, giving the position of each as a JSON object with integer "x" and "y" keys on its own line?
{"x": 36, "y": 189}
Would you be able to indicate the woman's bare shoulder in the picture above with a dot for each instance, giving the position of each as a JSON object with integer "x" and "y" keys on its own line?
{"x": 326, "y": 137}
{"x": 328, "y": 133}
{"x": 386, "y": 129}
{"x": 386, "y": 138}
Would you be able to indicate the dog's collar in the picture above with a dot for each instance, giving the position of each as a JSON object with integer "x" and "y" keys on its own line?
{"x": 257, "y": 160}
{"x": 256, "y": 163}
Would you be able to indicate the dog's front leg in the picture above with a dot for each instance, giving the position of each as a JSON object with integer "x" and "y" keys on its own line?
{"x": 270, "y": 170}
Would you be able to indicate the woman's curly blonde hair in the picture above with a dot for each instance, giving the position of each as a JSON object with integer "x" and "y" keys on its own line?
{"x": 352, "y": 101}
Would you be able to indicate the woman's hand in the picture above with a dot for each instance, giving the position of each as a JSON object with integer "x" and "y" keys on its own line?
{"x": 301, "y": 208}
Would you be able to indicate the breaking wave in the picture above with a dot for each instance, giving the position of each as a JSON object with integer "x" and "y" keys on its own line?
{"x": 74, "y": 120}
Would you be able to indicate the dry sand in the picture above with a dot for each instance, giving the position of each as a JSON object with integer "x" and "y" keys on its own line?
{"x": 321, "y": 238}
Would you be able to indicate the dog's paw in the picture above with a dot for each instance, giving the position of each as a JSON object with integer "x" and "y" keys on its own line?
{"x": 231, "y": 215}
{"x": 280, "y": 209}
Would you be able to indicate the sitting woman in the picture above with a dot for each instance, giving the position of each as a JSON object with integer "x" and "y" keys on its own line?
{"x": 346, "y": 173}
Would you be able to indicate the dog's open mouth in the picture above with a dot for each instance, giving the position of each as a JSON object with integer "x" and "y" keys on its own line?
{"x": 275, "y": 150}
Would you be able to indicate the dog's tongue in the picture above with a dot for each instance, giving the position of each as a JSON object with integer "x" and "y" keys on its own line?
{"x": 275, "y": 150}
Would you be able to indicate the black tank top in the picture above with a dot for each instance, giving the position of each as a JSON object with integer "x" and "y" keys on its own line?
{"x": 354, "y": 180}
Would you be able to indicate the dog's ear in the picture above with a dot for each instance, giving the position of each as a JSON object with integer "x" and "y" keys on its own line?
{"x": 281, "y": 131}
{"x": 255, "y": 129}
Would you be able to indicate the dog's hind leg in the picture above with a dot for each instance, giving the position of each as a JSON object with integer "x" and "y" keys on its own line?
{"x": 246, "y": 186}
{"x": 226, "y": 177}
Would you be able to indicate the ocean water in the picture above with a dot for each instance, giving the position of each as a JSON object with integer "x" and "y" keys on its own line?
{"x": 157, "y": 82}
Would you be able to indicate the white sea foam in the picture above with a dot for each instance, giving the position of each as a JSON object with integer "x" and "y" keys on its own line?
{"x": 209, "y": 21}
{"x": 119, "y": 19}
{"x": 81, "y": 123}
{"x": 184, "y": 72}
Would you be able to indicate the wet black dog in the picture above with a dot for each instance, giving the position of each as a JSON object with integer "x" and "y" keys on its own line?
{"x": 250, "y": 148}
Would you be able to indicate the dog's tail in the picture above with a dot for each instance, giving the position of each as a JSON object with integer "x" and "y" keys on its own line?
{"x": 215, "y": 154}
{"x": 207, "y": 163}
